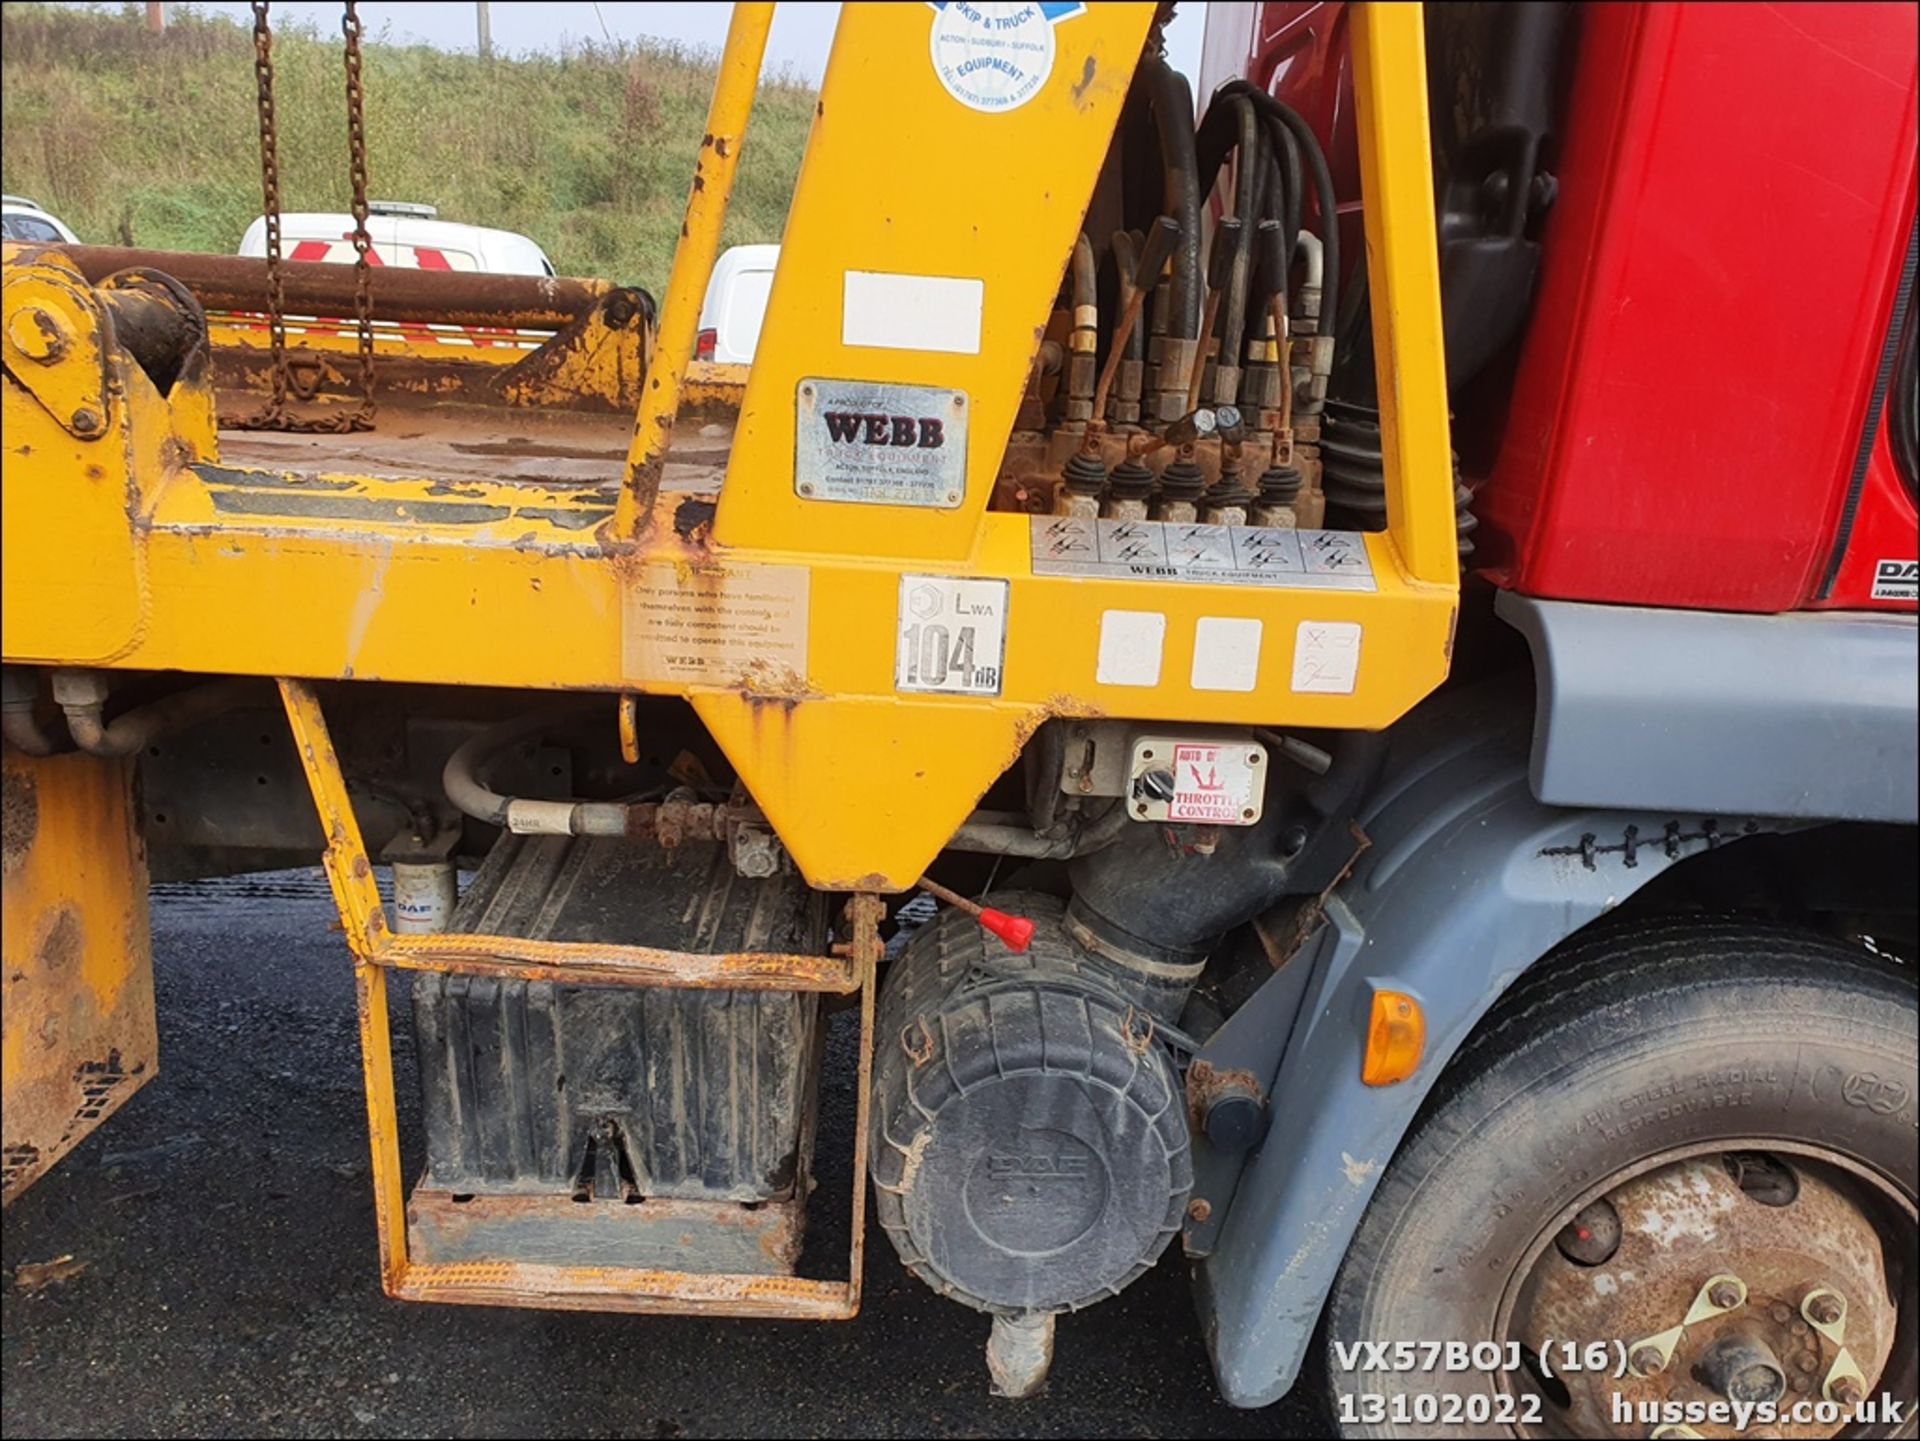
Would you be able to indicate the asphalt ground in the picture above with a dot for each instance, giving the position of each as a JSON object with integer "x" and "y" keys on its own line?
{"x": 223, "y": 1225}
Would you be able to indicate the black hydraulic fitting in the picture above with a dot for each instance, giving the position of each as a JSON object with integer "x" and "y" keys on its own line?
{"x": 1084, "y": 474}
{"x": 1082, "y": 479}
{"x": 1279, "y": 485}
{"x": 1182, "y": 480}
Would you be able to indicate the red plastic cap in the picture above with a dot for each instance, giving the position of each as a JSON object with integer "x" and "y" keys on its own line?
{"x": 1014, "y": 931}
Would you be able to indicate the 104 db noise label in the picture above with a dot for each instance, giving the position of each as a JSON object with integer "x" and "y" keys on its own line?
{"x": 952, "y": 635}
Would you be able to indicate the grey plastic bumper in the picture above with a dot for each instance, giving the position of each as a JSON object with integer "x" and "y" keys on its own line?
{"x": 1810, "y": 715}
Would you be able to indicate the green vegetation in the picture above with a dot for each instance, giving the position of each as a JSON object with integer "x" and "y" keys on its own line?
{"x": 141, "y": 139}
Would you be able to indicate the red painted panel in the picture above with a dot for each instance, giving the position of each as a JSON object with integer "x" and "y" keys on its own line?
{"x": 1884, "y": 529}
{"x": 1737, "y": 188}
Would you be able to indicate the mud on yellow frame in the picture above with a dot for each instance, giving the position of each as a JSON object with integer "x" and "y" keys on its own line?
{"x": 127, "y": 545}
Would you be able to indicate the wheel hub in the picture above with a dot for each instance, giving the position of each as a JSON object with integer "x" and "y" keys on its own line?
{"x": 1735, "y": 1277}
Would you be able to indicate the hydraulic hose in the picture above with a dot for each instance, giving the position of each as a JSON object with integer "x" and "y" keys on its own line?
{"x": 1086, "y": 277}
{"x": 1316, "y": 161}
{"x": 1086, "y": 327}
{"x": 1172, "y": 104}
{"x": 990, "y": 831}
{"x": 18, "y": 695}
{"x": 1286, "y": 161}
{"x": 83, "y": 696}
{"x": 472, "y": 796}
{"x": 1249, "y": 195}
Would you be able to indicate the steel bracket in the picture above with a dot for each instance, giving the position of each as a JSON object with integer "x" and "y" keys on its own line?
{"x": 377, "y": 949}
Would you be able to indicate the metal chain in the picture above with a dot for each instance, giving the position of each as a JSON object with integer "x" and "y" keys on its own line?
{"x": 362, "y": 242}
{"x": 274, "y": 416}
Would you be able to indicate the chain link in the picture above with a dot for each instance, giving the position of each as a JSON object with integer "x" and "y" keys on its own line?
{"x": 275, "y": 413}
{"x": 362, "y": 242}
{"x": 274, "y": 416}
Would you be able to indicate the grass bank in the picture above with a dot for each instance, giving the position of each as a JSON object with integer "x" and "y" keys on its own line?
{"x": 142, "y": 139}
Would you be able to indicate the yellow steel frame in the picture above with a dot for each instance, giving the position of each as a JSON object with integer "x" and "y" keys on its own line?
{"x": 77, "y": 1029}
{"x": 184, "y": 566}
{"x": 376, "y": 950}
{"x": 422, "y": 341}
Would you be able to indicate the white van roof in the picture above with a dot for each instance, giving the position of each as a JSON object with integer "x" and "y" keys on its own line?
{"x": 404, "y": 240}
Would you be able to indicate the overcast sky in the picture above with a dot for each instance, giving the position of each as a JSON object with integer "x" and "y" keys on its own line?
{"x": 802, "y": 29}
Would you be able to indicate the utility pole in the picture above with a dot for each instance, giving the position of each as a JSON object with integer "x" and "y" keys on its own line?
{"x": 156, "y": 16}
{"x": 485, "y": 23}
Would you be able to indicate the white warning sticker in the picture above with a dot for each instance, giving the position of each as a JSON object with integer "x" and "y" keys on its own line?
{"x": 1213, "y": 784}
{"x": 952, "y": 635}
{"x": 1326, "y": 657}
{"x": 735, "y": 625}
{"x": 1212, "y": 554}
{"x": 995, "y": 57}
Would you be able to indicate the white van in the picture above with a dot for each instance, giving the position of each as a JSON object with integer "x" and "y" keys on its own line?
{"x": 29, "y": 220}
{"x": 412, "y": 237}
{"x": 736, "y": 304}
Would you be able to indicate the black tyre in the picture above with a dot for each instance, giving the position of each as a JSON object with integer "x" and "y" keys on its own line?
{"x": 1712, "y": 1100}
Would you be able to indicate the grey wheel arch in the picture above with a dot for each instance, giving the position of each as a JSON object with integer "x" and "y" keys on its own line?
{"x": 1466, "y": 882}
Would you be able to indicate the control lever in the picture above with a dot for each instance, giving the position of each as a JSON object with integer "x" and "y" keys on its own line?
{"x": 1226, "y": 238}
{"x": 1015, "y": 932}
{"x": 1162, "y": 236}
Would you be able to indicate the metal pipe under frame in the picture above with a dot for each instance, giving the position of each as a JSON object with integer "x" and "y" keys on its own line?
{"x": 692, "y": 265}
{"x": 376, "y": 949}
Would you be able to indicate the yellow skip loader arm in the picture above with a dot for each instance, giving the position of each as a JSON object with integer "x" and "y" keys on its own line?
{"x": 128, "y": 546}
{"x": 866, "y": 637}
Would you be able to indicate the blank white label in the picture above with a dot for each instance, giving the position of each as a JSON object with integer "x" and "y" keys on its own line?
{"x": 1326, "y": 656}
{"x": 1130, "y": 645}
{"x": 912, "y": 312}
{"x": 1226, "y": 653}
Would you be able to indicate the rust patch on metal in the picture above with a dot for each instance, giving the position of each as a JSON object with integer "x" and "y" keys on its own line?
{"x": 693, "y": 520}
{"x": 1683, "y": 1224}
{"x": 236, "y": 283}
{"x": 19, "y": 819}
{"x": 639, "y": 1231}
{"x": 1207, "y": 1083}
{"x": 60, "y": 947}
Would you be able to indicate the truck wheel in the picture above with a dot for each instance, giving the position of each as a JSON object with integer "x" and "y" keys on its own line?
{"x": 1677, "y": 1165}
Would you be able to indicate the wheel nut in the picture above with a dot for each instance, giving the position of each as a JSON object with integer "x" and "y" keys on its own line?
{"x": 1782, "y": 1312}
{"x": 1725, "y": 1295}
{"x": 1647, "y": 1360}
{"x": 1846, "y": 1390}
{"x": 1824, "y": 1308}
